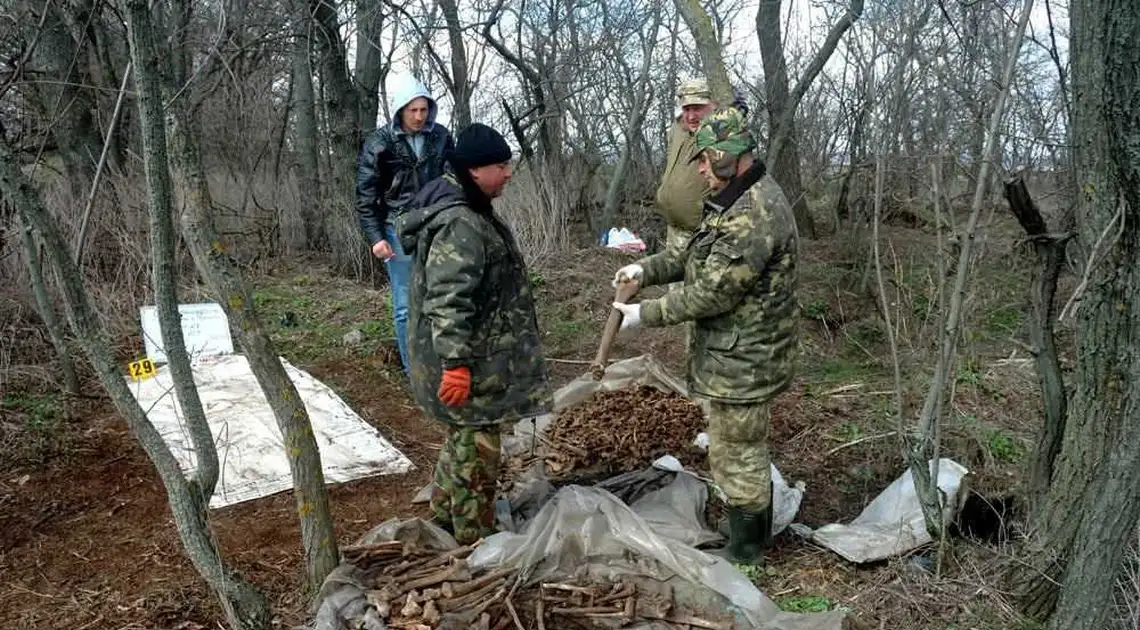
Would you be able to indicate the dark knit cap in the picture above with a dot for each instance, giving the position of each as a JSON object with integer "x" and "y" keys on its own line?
{"x": 479, "y": 145}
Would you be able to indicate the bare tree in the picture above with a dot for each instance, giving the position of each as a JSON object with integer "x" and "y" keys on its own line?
{"x": 633, "y": 130}
{"x": 46, "y": 309}
{"x": 341, "y": 102}
{"x": 459, "y": 83}
{"x": 305, "y": 129}
{"x": 783, "y": 148}
{"x": 1080, "y": 534}
{"x": 709, "y": 48}
{"x": 244, "y": 606}
{"x": 221, "y": 274}
{"x": 372, "y": 62}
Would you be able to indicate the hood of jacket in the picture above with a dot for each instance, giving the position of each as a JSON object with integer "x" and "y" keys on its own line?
{"x": 405, "y": 92}
{"x": 446, "y": 191}
{"x": 436, "y": 196}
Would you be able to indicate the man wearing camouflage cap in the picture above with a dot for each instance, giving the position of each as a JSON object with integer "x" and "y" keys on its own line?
{"x": 682, "y": 188}
{"x": 739, "y": 275}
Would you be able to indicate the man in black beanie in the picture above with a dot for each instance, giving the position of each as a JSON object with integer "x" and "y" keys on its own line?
{"x": 473, "y": 341}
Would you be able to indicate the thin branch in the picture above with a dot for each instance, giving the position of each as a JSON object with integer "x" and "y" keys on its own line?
{"x": 81, "y": 238}
{"x": 1094, "y": 259}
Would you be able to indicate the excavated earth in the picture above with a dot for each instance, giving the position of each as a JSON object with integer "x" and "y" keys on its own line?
{"x": 622, "y": 431}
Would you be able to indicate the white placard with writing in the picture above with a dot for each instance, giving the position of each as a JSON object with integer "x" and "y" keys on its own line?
{"x": 205, "y": 329}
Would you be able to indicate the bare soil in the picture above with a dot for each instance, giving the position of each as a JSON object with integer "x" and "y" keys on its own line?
{"x": 90, "y": 543}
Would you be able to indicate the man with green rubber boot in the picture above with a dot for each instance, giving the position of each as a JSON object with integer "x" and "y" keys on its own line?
{"x": 739, "y": 273}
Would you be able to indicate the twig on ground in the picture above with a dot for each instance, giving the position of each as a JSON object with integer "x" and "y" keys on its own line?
{"x": 861, "y": 440}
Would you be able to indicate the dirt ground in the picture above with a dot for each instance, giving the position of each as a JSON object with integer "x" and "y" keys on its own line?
{"x": 87, "y": 540}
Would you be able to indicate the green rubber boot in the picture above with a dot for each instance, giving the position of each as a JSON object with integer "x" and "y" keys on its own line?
{"x": 750, "y": 534}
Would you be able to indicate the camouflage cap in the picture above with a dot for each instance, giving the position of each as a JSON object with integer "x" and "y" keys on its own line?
{"x": 724, "y": 132}
{"x": 694, "y": 92}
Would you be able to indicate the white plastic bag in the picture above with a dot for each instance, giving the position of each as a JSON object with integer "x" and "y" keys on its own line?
{"x": 624, "y": 240}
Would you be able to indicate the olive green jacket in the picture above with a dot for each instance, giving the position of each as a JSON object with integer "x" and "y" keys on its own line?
{"x": 682, "y": 188}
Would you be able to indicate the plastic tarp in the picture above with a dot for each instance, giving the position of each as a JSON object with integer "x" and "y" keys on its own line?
{"x": 581, "y": 525}
{"x": 892, "y": 524}
{"x": 250, "y": 447}
{"x": 590, "y": 532}
{"x": 785, "y": 499}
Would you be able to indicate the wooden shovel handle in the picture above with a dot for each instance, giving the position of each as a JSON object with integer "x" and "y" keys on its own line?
{"x": 625, "y": 292}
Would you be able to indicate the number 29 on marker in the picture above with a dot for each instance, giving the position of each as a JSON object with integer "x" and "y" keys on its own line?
{"x": 141, "y": 369}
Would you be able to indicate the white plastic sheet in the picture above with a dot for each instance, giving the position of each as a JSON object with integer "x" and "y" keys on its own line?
{"x": 786, "y": 499}
{"x": 892, "y": 524}
{"x": 583, "y": 524}
{"x": 250, "y": 447}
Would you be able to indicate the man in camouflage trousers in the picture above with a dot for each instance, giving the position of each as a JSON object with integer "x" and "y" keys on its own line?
{"x": 477, "y": 363}
{"x": 739, "y": 273}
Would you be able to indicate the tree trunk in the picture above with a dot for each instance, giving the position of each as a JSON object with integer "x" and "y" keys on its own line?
{"x": 709, "y": 49}
{"x": 349, "y": 254}
{"x": 244, "y": 606}
{"x": 370, "y": 66}
{"x": 461, "y": 84}
{"x": 783, "y": 148}
{"x": 224, "y": 279}
{"x": 47, "y": 309}
{"x": 855, "y": 154}
{"x": 782, "y": 103}
{"x": 1079, "y": 538}
{"x": 147, "y": 81}
{"x": 63, "y": 100}
{"x": 1049, "y": 250}
{"x": 305, "y": 130}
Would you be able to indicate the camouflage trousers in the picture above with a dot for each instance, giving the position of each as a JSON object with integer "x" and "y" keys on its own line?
{"x": 463, "y": 488}
{"x": 738, "y": 453}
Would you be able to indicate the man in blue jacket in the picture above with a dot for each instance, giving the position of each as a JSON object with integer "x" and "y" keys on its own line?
{"x": 396, "y": 161}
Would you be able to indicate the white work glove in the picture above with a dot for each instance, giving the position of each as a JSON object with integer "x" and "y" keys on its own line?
{"x": 627, "y": 273}
{"x": 631, "y": 315}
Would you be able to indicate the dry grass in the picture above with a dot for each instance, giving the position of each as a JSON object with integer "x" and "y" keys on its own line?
{"x": 538, "y": 205}
{"x": 1128, "y": 590}
{"x": 900, "y": 594}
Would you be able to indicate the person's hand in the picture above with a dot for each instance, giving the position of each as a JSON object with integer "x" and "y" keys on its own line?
{"x": 382, "y": 250}
{"x": 455, "y": 386}
{"x": 628, "y": 273}
{"x": 631, "y": 315}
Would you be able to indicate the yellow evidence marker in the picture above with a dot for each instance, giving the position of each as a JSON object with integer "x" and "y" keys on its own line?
{"x": 142, "y": 369}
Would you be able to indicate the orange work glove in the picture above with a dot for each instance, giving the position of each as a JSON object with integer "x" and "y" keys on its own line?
{"x": 455, "y": 386}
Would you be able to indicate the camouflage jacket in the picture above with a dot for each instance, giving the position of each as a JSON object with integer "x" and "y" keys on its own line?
{"x": 740, "y": 290}
{"x": 682, "y": 188}
{"x": 470, "y": 304}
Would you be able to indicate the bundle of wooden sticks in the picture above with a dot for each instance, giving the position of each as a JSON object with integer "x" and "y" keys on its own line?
{"x": 414, "y": 588}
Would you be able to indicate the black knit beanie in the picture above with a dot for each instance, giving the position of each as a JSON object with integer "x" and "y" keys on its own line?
{"x": 479, "y": 145}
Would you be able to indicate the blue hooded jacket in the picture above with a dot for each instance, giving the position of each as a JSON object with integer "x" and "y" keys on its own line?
{"x": 393, "y": 165}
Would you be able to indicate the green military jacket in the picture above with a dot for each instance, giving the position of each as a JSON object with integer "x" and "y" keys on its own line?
{"x": 470, "y": 304}
{"x": 739, "y": 271}
{"x": 682, "y": 189}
